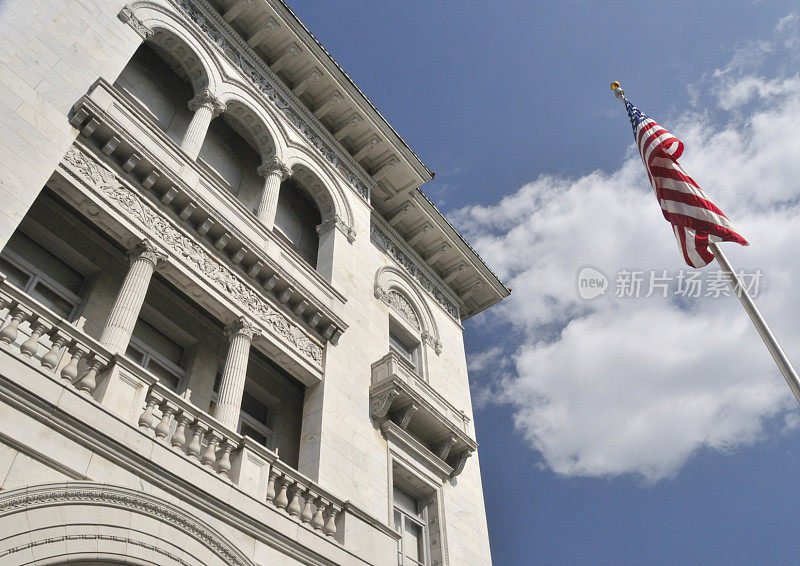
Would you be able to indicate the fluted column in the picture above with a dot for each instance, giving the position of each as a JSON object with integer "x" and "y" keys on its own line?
{"x": 206, "y": 107}
{"x": 231, "y": 386}
{"x": 144, "y": 259}
{"x": 274, "y": 172}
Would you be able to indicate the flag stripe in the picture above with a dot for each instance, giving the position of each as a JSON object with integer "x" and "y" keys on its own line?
{"x": 695, "y": 219}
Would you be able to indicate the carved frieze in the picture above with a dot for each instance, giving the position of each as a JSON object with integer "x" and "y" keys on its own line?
{"x": 104, "y": 182}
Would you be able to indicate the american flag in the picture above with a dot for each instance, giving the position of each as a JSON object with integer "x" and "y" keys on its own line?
{"x": 695, "y": 219}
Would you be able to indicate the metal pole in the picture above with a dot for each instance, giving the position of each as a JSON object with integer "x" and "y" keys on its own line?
{"x": 761, "y": 325}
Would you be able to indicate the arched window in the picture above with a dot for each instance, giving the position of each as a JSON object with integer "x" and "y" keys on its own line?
{"x": 160, "y": 87}
{"x": 297, "y": 219}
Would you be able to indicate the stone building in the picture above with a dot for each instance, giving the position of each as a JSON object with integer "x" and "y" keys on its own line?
{"x": 230, "y": 321}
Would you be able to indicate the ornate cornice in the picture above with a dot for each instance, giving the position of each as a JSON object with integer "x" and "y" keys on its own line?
{"x": 112, "y": 496}
{"x": 262, "y": 81}
{"x": 104, "y": 182}
{"x": 390, "y": 248}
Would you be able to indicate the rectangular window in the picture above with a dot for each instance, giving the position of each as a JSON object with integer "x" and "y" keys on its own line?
{"x": 410, "y": 524}
{"x": 254, "y": 415}
{"x": 42, "y": 275}
{"x": 405, "y": 349}
{"x": 158, "y": 353}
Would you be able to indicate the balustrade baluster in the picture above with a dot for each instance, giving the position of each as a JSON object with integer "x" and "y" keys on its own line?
{"x": 319, "y": 517}
{"x": 193, "y": 450}
{"x": 88, "y": 383}
{"x": 294, "y": 506}
{"x": 162, "y": 430}
{"x": 30, "y": 347}
{"x": 179, "y": 438}
{"x": 10, "y": 331}
{"x": 281, "y": 500}
{"x": 70, "y": 371}
{"x": 209, "y": 456}
{"x": 224, "y": 459}
{"x": 50, "y": 359}
{"x": 271, "y": 485}
{"x": 308, "y": 511}
{"x": 330, "y": 522}
{"x": 146, "y": 420}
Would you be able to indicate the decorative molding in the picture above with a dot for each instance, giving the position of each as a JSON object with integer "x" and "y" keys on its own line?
{"x": 338, "y": 223}
{"x": 92, "y": 493}
{"x": 259, "y": 79}
{"x": 382, "y": 402}
{"x": 104, "y": 181}
{"x": 127, "y": 16}
{"x": 399, "y": 303}
{"x": 432, "y": 341}
{"x": 390, "y": 248}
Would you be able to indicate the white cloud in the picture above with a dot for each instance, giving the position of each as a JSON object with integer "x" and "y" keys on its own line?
{"x": 636, "y": 386}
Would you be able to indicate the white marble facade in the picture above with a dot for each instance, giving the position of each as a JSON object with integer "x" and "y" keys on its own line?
{"x": 230, "y": 322}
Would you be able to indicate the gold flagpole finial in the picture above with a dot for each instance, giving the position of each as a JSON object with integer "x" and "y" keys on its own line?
{"x": 618, "y": 92}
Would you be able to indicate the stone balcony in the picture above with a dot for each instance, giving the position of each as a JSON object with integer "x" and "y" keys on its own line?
{"x": 133, "y": 143}
{"x": 74, "y": 378}
{"x": 413, "y": 414}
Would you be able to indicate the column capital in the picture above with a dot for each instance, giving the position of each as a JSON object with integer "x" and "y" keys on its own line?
{"x": 241, "y": 327}
{"x": 206, "y": 99}
{"x": 146, "y": 250}
{"x": 274, "y": 165}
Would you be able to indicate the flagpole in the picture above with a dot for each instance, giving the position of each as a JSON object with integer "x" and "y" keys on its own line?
{"x": 749, "y": 305}
{"x": 758, "y": 320}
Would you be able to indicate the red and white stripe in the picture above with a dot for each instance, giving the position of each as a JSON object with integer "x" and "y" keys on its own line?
{"x": 695, "y": 219}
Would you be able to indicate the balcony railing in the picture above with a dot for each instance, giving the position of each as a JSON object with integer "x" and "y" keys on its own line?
{"x": 57, "y": 348}
{"x": 415, "y": 414}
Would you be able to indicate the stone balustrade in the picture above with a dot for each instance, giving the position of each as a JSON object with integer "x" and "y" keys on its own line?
{"x": 49, "y": 342}
{"x": 193, "y": 433}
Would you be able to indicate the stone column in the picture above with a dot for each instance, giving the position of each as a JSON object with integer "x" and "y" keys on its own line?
{"x": 231, "y": 386}
{"x": 274, "y": 172}
{"x": 206, "y": 107}
{"x": 144, "y": 259}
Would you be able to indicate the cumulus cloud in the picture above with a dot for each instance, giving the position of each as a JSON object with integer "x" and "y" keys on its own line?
{"x": 621, "y": 385}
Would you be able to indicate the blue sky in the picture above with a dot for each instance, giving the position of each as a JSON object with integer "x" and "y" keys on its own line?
{"x": 620, "y": 430}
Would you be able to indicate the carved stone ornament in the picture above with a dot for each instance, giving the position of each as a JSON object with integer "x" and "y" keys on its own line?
{"x": 432, "y": 341}
{"x": 274, "y": 165}
{"x": 241, "y": 327}
{"x": 393, "y": 250}
{"x": 263, "y": 80}
{"x": 127, "y": 16}
{"x": 382, "y": 402}
{"x": 399, "y": 303}
{"x": 206, "y": 99}
{"x": 112, "y": 496}
{"x": 461, "y": 460}
{"x": 146, "y": 250}
{"x": 339, "y": 224}
{"x": 103, "y": 182}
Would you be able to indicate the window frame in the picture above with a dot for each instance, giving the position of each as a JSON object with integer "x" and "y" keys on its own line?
{"x": 171, "y": 331}
{"x": 405, "y": 334}
{"x": 264, "y": 428}
{"x": 36, "y": 276}
{"x": 420, "y": 520}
